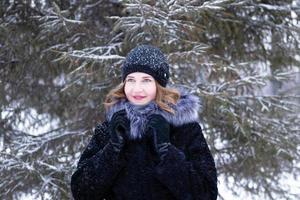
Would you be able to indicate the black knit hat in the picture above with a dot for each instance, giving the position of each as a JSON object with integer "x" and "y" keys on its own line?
{"x": 147, "y": 59}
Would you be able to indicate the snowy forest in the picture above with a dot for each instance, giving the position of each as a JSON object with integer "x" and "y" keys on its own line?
{"x": 59, "y": 58}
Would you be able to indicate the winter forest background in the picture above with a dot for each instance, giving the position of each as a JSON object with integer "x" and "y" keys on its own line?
{"x": 58, "y": 59}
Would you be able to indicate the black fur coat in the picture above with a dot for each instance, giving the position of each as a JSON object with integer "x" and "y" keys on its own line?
{"x": 187, "y": 171}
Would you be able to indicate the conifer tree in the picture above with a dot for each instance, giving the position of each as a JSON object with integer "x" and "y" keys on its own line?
{"x": 58, "y": 60}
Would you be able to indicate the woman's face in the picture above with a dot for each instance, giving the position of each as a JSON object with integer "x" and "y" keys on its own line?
{"x": 140, "y": 88}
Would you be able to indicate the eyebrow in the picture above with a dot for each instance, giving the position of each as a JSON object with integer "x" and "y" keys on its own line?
{"x": 142, "y": 77}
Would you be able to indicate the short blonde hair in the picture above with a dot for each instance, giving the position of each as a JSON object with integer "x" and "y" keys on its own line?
{"x": 164, "y": 96}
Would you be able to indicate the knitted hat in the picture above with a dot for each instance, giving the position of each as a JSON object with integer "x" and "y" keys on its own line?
{"x": 147, "y": 59}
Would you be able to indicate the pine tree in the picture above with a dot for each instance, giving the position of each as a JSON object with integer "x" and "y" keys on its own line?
{"x": 59, "y": 58}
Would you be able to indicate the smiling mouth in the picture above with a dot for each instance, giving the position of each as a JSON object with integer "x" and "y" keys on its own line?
{"x": 138, "y": 97}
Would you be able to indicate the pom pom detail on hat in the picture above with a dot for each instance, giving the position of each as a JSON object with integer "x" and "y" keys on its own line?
{"x": 147, "y": 59}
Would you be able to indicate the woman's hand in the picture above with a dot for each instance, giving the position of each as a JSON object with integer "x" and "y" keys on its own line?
{"x": 158, "y": 133}
{"x": 119, "y": 128}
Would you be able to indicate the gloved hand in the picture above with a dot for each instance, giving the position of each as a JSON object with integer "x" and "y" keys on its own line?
{"x": 119, "y": 128}
{"x": 158, "y": 133}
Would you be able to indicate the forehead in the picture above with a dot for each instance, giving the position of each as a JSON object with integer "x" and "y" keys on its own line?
{"x": 139, "y": 75}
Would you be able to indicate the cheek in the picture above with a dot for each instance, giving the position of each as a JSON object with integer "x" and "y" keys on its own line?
{"x": 126, "y": 89}
{"x": 153, "y": 91}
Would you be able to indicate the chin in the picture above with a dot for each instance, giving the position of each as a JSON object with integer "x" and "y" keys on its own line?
{"x": 140, "y": 102}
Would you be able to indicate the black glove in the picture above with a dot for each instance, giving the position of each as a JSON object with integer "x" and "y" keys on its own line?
{"x": 158, "y": 133}
{"x": 119, "y": 127}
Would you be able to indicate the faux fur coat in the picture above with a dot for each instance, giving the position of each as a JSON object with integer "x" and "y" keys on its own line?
{"x": 186, "y": 172}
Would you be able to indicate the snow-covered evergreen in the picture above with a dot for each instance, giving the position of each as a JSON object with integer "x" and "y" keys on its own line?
{"x": 58, "y": 61}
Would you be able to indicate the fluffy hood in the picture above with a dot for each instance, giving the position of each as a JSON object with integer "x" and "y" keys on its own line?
{"x": 186, "y": 110}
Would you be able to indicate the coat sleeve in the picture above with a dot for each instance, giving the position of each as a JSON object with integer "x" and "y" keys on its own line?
{"x": 189, "y": 173}
{"x": 97, "y": 167}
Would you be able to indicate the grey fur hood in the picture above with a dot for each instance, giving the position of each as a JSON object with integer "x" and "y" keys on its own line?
{"x": 186, "y": 110}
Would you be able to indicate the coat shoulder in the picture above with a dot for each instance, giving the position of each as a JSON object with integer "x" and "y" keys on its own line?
{"x": 188, "y": 128}
{"x": 184, "y": 134}
{"x": 98, "y": 140}
{"x": 101, "y": 132}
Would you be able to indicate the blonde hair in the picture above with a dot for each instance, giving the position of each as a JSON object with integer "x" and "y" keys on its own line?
{"x": 164, "y": 96}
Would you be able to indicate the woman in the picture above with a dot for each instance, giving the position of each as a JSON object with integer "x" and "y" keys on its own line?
{"x": 151, "y": 145}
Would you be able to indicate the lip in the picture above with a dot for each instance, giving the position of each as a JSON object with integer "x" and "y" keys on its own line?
{"x": 138, "y": 97}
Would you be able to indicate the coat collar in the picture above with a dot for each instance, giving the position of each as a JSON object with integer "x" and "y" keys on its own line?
{"x": 186, "y": 109}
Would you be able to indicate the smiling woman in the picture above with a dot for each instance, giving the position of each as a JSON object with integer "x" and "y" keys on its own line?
{"x": 151, "y": 145}
{"x": 140, "y": 88}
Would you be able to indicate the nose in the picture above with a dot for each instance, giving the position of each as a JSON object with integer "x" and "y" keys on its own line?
{"x": 137, "y": 88}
